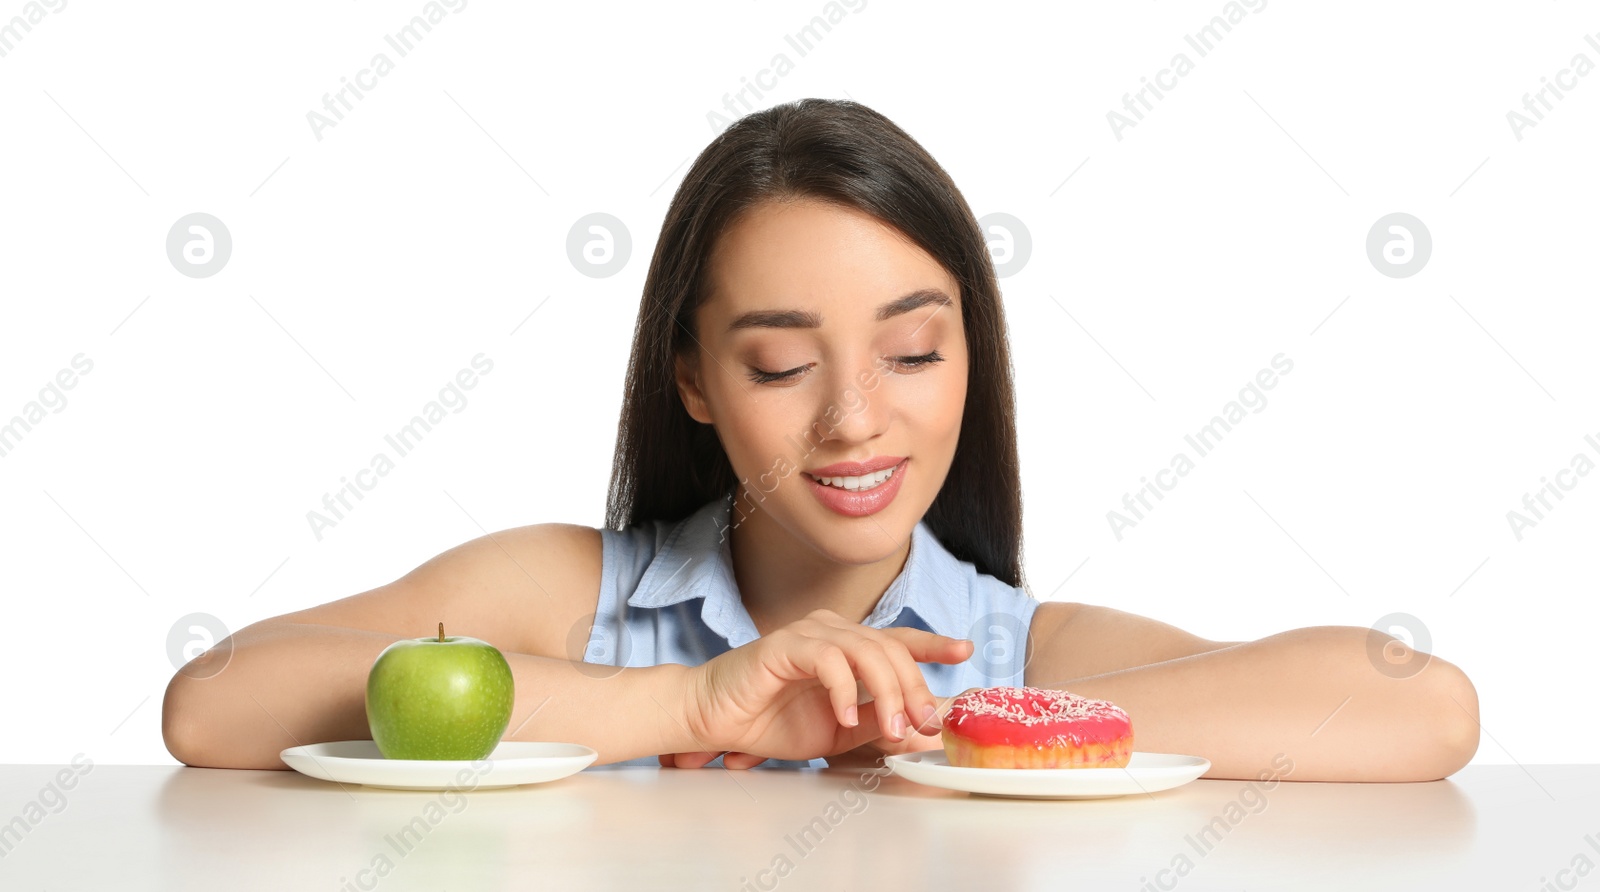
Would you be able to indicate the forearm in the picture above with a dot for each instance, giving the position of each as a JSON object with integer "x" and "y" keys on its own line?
{"x": 288, "y": 684}
{"x": 1311, "y": 695}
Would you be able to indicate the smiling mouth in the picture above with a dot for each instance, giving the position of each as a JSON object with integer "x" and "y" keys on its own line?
{"x": 857, "y": 484}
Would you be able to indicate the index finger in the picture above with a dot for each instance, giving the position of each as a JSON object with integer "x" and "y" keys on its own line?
{"x": 930, "y": 647}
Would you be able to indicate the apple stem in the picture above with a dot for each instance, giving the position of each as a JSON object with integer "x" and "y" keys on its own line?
{"x": 441, "y": 632}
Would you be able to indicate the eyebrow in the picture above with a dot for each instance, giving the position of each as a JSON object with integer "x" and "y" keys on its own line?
{"x": 812, "y": 319}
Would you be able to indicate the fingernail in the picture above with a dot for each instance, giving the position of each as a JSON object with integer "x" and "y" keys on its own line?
{"x": 928, "y": 712}
{"x": 850, "y": 717}
{"x": 897, "y": 725}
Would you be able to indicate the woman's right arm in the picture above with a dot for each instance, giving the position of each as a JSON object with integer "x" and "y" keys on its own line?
{"x": 300, "y": 678}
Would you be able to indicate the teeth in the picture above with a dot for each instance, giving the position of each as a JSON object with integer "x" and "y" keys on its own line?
{"x": 856, "y": 484}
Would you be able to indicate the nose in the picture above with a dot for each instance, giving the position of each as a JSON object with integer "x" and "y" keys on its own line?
{"x": 854, "y": 409}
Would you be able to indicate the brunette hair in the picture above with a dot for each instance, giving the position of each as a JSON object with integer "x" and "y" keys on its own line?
{"x": 667, "y": 465}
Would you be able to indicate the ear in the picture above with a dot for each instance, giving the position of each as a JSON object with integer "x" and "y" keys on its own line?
{"x": 688, "y": 378}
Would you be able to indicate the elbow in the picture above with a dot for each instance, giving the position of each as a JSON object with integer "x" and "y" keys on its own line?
{"x": 1426, "y": 704}
{"x": 178, "y": 724}
{"x": 187, "y": 733}
{"x": 196, "y": 732}
{"x": 1431, "y": 699}
{"x": 1440, "y": 717}
{"x": 1456, "y": 728}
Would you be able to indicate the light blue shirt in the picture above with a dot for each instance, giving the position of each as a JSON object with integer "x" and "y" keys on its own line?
{"x": 668, "y": 595}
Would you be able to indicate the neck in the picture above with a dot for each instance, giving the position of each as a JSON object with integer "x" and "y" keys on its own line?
{"x": 781, "y": 579}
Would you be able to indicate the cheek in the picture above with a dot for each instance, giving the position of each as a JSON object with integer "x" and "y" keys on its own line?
{"x": 937, "y": 407}
{"x": 942, "y": 416}
{"x": 956, "y": 393}
{"x": 753, "y": 433}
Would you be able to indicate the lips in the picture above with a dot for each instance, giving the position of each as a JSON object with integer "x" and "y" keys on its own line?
{"x": 858, "y": 495}
{"x": 857, "y": 468}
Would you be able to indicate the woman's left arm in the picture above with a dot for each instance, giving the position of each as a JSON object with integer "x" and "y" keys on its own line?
{"x": 1339, "y": 703}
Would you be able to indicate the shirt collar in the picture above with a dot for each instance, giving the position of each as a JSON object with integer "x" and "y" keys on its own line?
{"x": 695, "y": 561}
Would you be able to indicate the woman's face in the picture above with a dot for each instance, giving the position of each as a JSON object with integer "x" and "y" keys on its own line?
{"x": 828, "y": 337}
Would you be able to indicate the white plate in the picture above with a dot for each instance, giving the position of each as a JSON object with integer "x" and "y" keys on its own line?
{"x": 512, "y": 763}
{"x": 1145, "y": 773}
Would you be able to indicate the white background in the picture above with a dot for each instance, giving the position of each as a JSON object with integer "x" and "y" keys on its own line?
{"x": 1167, "y": 268}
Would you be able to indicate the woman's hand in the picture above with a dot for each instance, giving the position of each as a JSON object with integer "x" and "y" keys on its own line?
{"x": 873, "y": 752}
{"x": 792, "y": 694}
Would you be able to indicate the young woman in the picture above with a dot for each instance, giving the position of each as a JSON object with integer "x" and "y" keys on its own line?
{"x": 814, "y": 527}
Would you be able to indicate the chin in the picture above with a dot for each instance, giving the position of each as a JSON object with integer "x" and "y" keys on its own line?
{"x": 859, "y": 540}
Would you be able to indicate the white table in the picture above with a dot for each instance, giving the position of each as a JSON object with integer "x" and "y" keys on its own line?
{"x": 171, "y": 828}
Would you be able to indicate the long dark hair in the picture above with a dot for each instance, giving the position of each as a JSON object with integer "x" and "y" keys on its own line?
{"x": 667, "y": 465}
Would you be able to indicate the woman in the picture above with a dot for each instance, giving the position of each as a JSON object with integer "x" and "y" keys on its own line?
{"x": 814, "y": 527}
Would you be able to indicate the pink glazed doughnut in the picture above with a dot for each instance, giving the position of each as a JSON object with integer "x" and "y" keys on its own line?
{"x": 1035, "y": 728}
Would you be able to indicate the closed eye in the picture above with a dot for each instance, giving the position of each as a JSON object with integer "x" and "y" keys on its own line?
{"x": 895, "y": 363}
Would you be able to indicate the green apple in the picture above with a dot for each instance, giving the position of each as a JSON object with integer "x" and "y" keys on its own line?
{"x": 439, "y": 698}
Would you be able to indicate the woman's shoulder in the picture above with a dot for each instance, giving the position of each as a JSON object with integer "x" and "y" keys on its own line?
{"x": 583, "y": 563}
{"x": 570, "y": 550}
{"x": 565, "y": 569}
{"x": 522, "y": 589}
{"x": 555, "y": 565}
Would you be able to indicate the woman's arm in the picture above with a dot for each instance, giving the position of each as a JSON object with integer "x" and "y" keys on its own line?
{"x": 1077, "y": 640}
{"x": 287, "y": 684}
{"x": 1314, "y": 695}
{"x": 300, "y": 678}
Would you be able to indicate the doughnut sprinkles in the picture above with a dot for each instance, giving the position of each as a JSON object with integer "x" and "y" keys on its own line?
{"x": 1026, "y": 727}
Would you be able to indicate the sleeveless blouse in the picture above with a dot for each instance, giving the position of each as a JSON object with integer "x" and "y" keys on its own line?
{"x": 668, "y": 595}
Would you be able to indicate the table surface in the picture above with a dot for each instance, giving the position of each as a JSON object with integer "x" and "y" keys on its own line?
{"x": 169, "y": 828}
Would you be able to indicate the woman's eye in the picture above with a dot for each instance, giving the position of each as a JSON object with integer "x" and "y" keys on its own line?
{"x": 912, "y": 363}
{"x": 761, "y": 377}
{"x": 901, "y": 364}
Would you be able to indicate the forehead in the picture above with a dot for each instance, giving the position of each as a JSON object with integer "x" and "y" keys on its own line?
{"x": 816, "y": 254}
